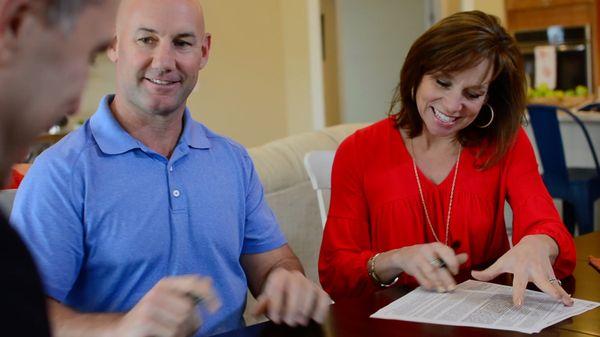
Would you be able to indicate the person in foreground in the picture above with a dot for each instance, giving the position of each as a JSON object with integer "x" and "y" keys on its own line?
{"x": 436, "y": 175}
{"x": 42, "y": 45}
{"x": 146, "y": 223}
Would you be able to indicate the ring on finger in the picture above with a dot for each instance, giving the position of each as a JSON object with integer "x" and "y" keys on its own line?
{"x": 553, "y": 280}
{"x": 194, "y": 298}
{"x": 436, "y": 262}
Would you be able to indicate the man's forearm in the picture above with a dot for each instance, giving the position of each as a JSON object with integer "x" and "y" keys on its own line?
{"x": 288, "y": 263}
{"x": 259, "y": 266}
{"x": 67, "y": 322}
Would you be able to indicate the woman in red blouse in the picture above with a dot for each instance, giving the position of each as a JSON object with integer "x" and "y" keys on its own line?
{"x": 426, "y": 187}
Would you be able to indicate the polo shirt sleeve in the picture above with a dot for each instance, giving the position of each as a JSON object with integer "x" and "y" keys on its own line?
{"x": 261, "y": 231}
{"x": 47, "y": 212}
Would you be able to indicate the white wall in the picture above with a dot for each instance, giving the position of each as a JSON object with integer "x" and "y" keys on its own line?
{"x": 374, "y": 37}
{"x": 305, "y": 102}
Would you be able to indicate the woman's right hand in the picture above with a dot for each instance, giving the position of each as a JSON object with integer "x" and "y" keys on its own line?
{"x": 421, "y": 262}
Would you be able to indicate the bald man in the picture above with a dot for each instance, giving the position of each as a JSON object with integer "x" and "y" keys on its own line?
{"x": 158, "y": 225}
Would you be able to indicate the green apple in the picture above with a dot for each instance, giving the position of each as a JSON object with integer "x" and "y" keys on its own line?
{"x": 581, "y": 90}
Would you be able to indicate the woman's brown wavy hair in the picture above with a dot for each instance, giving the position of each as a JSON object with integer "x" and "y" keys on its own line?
{"x": 460, "y": 42}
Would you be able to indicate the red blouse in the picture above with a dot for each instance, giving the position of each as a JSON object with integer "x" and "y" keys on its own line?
{"x": 375, "y": 207}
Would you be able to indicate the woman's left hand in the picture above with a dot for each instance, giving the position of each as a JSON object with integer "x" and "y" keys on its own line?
{"x": 529, "y": 261}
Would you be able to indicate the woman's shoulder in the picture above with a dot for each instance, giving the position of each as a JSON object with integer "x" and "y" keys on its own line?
{"x": 367, "y": 145}
{"x": 520, "y": 149}
{"x": 372, "y": 135}
{"x": 520, "y": 141}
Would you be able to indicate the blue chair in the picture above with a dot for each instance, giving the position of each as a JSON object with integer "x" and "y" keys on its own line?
{"x": 577, "y": 187}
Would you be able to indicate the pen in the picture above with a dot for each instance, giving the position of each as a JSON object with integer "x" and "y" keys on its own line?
{"x": 194, "y": 298}
{"x": 455, "y": 245}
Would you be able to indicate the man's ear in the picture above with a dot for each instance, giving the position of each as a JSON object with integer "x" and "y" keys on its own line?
{"x": 206, "y": 43}
{"x": 12, "y": 17}
{"x": 112, "y": 50}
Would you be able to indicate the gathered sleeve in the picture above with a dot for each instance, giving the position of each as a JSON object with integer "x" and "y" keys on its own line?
{"x": 533, "y": 209}
{"x": 346, "y": 247}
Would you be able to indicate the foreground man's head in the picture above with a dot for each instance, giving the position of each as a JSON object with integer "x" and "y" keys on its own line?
{"x": 46, "y": 47}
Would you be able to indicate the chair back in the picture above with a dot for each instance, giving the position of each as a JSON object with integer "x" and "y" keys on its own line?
{"x": 6, "y": 200}
{"x": 318, "y": 165}
{"x": 546, "y": 131}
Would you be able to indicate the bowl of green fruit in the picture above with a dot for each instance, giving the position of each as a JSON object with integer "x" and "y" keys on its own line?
{"x": 571, "y": 98}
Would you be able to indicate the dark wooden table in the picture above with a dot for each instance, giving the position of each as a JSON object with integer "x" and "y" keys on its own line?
{"x": 350, "y": 318}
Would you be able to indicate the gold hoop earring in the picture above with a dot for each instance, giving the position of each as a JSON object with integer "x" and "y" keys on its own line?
{"x": 491, "y": 119}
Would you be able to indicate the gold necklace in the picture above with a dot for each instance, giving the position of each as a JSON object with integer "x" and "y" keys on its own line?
{"x": 414, "y": 160}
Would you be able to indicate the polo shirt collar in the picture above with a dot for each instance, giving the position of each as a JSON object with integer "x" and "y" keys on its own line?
{"x": 194, "y": 133}
{"x": 113, "y": 139}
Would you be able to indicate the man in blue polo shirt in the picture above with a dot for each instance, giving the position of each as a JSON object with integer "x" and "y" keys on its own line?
{"x": 143, "y": 212}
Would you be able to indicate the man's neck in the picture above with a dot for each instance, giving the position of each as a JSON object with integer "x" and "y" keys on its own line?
{"x": 158, "y": 132}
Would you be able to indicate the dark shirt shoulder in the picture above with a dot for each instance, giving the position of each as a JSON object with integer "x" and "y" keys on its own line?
{"x": 23, "y": 304}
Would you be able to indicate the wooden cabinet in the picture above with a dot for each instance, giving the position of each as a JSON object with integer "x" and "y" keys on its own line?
{"x": 536, "y": 14}
{"x": 529, "y": 4}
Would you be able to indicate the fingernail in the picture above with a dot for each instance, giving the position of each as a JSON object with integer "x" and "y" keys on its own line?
{"x": 441, "y": 290}
{"x": 519, "y": 303}
{"x": 453, "y": 287}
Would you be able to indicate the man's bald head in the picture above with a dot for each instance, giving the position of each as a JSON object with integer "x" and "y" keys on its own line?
{"x": 131, "y": 7}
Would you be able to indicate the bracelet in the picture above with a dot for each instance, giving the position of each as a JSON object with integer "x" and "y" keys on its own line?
{"x": 373, "y": 275}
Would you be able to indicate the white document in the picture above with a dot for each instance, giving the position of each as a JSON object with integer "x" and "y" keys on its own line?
{"x": 484, "y": 305}
{"x": 545, "y": 66}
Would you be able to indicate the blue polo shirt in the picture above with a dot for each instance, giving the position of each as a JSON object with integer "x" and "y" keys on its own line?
{"x": 106, "y": 217}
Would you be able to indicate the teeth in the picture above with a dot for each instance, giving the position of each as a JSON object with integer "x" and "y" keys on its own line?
{"x": 444, "y": 118}
{"x": 159, "y": 82}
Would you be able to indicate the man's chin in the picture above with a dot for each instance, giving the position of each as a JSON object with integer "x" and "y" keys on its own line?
{"x": 165, "y": 108}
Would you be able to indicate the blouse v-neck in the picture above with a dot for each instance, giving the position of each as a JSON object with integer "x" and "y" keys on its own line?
{"x": 424, "y": 178}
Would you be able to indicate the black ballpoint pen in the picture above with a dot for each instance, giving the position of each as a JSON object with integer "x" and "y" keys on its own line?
{"x": 455, "y": 245}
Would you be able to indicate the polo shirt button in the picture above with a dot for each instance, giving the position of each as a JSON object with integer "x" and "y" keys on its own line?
{"x": 176, "y": 193}
{"x": 170, "y": 168}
